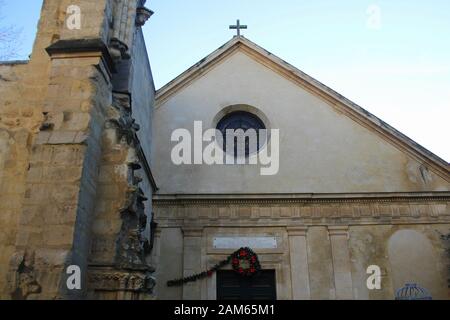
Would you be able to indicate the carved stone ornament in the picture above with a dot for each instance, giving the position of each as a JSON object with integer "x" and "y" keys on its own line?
{"x": 142, "y": 16}
{"x": 132, "y": 245}
{"x": 25, "y": 282}
{"x": 119, "y": 50}
{"x": 126, "y": 128}
{"x": 130, "y": 271}
{"x": 113, "y": 280}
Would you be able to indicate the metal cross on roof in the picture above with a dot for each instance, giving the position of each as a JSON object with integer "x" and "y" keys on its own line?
{"x": 238, "y": 27}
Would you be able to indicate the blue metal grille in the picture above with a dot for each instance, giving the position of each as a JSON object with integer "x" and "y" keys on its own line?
{"x": 411, "y": 291}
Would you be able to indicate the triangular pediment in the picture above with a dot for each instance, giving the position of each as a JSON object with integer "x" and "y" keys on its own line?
{"x": 406, "y": 167}
{"x": 333, "y": 98}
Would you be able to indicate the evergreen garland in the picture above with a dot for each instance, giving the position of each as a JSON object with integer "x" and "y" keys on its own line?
{"x": 245, "y": 255}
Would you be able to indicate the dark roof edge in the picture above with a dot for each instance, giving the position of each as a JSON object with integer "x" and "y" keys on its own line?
{"x": 13, "y": 62}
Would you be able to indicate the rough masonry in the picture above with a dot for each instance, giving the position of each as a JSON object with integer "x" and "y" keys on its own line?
{"x": 76, "y": 186}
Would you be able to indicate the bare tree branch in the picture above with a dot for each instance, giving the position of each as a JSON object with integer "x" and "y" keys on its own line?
{"x": 9, "y": 39}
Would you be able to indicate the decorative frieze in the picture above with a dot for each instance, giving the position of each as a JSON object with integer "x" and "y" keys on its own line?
{"x": 109, "y": 279}
{"x": 336, "y": 211}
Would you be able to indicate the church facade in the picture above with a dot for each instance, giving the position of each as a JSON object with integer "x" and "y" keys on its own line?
{"x": 350, "y": 193}
{"x": 105, "y": 178}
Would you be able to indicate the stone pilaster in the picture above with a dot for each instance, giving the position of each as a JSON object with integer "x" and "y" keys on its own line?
{"x": 320, "y": 263}
{"x": 156, "y": 249}
{"x": 192, "y": 261}
{"x": 299, "y": 263}
{"x": 58, "y": 205}
{"x": 341, "y": 262}
{"x": 170, "y": 263}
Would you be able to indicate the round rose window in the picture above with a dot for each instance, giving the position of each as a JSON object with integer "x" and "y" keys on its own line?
{"x": 242, "y": 130}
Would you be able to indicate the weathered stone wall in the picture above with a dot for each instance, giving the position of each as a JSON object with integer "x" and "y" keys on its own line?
{"x": 420, "y": 258}
{"x": 126, "y": 185}
{"x": 16, "y": 122}
{"x": 61, "y": 142}
{"x": 121, "y": 227}
{"x": 143, "y": 95}
{"x": 324, "y": 246}
{"x": 27, "y": 90}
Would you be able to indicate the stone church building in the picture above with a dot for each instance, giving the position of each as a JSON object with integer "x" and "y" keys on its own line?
{"x": 88, "y": 177}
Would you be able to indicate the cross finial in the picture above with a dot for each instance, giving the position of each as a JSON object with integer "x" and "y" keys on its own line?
{"x": 238, "y": 27}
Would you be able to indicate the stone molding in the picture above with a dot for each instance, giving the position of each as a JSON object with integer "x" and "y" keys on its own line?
{"x": 192, "y": 232}
{"x": 299, "y": 198}
{"x": 338, "y": 231}
{"x": 78, "y": 46}
{"x": 297, "y": 231}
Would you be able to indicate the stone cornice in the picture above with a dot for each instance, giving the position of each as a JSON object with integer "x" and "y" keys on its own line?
{"x": 299, "y": 198}
{"x": 80, "y": 46}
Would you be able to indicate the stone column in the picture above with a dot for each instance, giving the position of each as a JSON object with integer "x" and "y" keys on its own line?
{"x": 299, "y": 263}
{"x": 192, "y": 261}
{"x": 341, "y": 262}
